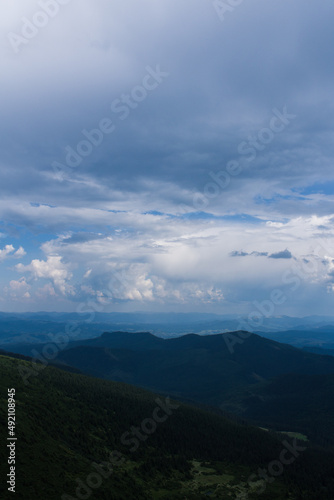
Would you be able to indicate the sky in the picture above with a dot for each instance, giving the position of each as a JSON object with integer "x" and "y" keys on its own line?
{"x": 167, "y": 155}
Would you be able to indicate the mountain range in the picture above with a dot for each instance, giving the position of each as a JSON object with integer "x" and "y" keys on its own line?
{"x": 272, "y": 385}
{"x": 239, "y": 396}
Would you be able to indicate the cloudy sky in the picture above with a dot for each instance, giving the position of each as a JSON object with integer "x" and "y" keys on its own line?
{"x": 167, "y": 155}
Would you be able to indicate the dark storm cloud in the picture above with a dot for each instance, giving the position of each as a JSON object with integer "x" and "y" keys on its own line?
{"x": 224, "y": 79}
{"x": 285, "y": 254}
{"x": 238, "y": 253}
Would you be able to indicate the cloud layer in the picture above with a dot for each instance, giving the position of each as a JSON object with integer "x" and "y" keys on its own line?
{"x": 145, "y": 147}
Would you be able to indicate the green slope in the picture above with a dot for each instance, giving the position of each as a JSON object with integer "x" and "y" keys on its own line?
{"x": 203, "y": 370}
{"x": 66, "y": 422}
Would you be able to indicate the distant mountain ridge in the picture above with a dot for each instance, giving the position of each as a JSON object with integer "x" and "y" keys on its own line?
{"x": 203, "y": 370}
{"x": 318, "y": 336}
{"x": 39, "y": 327}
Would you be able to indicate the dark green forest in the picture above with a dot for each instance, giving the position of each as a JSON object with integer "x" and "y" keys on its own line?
{"x": 270, "y": 384}
{"x": 67, "y": 422}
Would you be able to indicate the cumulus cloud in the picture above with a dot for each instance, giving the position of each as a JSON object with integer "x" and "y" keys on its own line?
{"x": 137, "y": 283}
{"x": 53, "y": 268}
{"x": 9, "y": 251}
{"x": 20, "y": 253}
{"x": 5, "y": 252}
{"x": 18, "y": 289}
{"x": 184, "y": 262}
{"x": 47, "y": 291}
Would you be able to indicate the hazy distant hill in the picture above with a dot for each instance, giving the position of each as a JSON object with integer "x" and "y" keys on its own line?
{"x": 40, "y": 327}
{"x": 318, "y": 336}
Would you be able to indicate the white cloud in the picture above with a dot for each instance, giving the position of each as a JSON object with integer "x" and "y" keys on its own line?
{"x": 20, "y": 253}
{"x": 5, "y": 252}
{"x": 46, "y": 291}
{"x": 18, "y": 289}
{"x": 53, "y": 268}
{"x": 188, "y": 261}
{"x": 9, "y": 251}
{"x": 180, "y": 262}
{"x": 87, "y": 273}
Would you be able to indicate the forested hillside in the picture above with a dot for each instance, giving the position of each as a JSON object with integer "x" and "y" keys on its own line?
{"x": 160, "y": 449}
